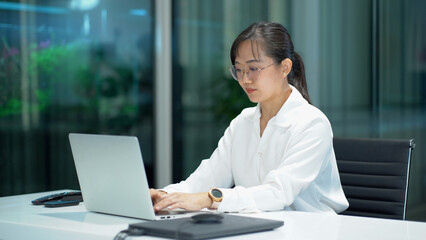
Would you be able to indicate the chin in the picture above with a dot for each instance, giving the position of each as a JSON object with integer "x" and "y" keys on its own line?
{"x": 253, "y": 100}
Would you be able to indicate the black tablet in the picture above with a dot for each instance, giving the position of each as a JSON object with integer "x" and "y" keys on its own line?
{"x": 187, "y": 228}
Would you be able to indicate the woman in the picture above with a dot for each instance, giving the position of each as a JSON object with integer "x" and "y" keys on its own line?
{"x": 277, "y": 155}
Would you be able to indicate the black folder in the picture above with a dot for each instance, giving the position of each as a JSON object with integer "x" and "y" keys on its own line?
{"x": 186, "y": 228}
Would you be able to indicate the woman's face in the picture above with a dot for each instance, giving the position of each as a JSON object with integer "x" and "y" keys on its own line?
{"x": 269, "y": 85}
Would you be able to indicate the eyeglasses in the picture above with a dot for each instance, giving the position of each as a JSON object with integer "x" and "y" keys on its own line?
{"x": 253, "y": 72}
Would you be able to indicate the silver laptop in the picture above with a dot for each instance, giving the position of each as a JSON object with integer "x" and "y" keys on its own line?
{"x": 112, "y": 176}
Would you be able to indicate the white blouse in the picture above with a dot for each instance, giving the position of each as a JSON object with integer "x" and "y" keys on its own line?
{"x": 291, "y": 167}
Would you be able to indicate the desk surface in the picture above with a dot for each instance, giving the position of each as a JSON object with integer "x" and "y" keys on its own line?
{"x": 19, "y": 219}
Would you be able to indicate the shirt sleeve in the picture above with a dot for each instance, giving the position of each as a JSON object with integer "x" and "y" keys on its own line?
{"x": 213, "y": 172}
{"x": 303, "y": 160}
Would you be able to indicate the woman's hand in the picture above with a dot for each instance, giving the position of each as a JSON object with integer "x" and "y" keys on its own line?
{"x": 187, "y": 201}
{"x": 156, "y": 195}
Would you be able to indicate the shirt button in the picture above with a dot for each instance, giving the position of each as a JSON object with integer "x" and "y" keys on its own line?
{"x": 259, "y": 154}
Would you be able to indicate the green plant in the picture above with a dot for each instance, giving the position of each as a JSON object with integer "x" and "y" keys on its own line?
{"x": 41, "y": 67}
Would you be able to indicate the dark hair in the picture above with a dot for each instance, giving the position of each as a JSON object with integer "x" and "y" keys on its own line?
{"x": 275, "y": 41}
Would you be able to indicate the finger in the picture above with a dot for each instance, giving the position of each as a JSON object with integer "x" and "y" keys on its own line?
{"x": 185, "y": 203}
{"x": 165, "y": 202}
{"x": 152, "y": 191}
{"x": 169, "y": 195}
{"x": 154, "y": 196}
{"x": 176, "y": 205}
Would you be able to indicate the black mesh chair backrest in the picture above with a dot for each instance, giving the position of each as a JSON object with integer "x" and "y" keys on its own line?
{"x": 374, "y": 175}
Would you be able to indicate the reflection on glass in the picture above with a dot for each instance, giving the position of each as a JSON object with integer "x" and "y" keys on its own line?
{"x": 70, "y": 66}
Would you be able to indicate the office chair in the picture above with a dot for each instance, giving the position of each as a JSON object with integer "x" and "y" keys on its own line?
{"x": 374, "y": 175}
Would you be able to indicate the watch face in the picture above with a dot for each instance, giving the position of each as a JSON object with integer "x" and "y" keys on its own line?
{"x": 216, "y": 193}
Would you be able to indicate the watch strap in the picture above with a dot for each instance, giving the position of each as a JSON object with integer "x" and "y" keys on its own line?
{"x": 215, "y": 205}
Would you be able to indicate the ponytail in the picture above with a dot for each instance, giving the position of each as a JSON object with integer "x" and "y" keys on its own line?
{"x": 297, "y": 77}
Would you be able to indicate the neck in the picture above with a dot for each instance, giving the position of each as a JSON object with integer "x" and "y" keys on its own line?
{"x": 270, "y": 109}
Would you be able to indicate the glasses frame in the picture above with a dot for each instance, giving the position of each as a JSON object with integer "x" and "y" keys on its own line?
{"x": 258, "y": 69}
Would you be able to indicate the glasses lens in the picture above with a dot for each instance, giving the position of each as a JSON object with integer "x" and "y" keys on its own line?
{"x": 234, "y": 72}
{"x": 238, "y": 72}
{"x": 253, "y": 72}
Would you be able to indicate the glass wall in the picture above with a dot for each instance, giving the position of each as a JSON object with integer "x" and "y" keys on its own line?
{"x": 87, "y": 66}
{"x": 365, "y": 66}
{"x": 372, "y": 83}
{"x": 70, "y": 66}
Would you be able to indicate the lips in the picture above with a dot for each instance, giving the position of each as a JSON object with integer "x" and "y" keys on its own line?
{"x": 250, "y": 90}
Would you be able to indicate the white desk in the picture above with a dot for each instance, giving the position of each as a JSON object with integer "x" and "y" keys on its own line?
{"x": 19, "y": 219}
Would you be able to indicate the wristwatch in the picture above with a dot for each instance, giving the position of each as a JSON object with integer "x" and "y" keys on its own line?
{"x": 216, "y": 196}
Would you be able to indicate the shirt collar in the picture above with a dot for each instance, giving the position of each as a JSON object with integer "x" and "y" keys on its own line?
{"x": 293, "y": 100}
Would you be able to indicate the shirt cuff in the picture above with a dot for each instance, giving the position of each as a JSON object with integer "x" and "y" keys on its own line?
{"x": 237, "y": 199}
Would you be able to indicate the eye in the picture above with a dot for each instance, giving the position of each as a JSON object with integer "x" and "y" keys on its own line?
{"x": 253, "y": 68}
{"x": 237, "y": 68}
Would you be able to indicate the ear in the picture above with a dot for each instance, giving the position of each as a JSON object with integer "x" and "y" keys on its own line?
{"x": 286, "y": 66}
